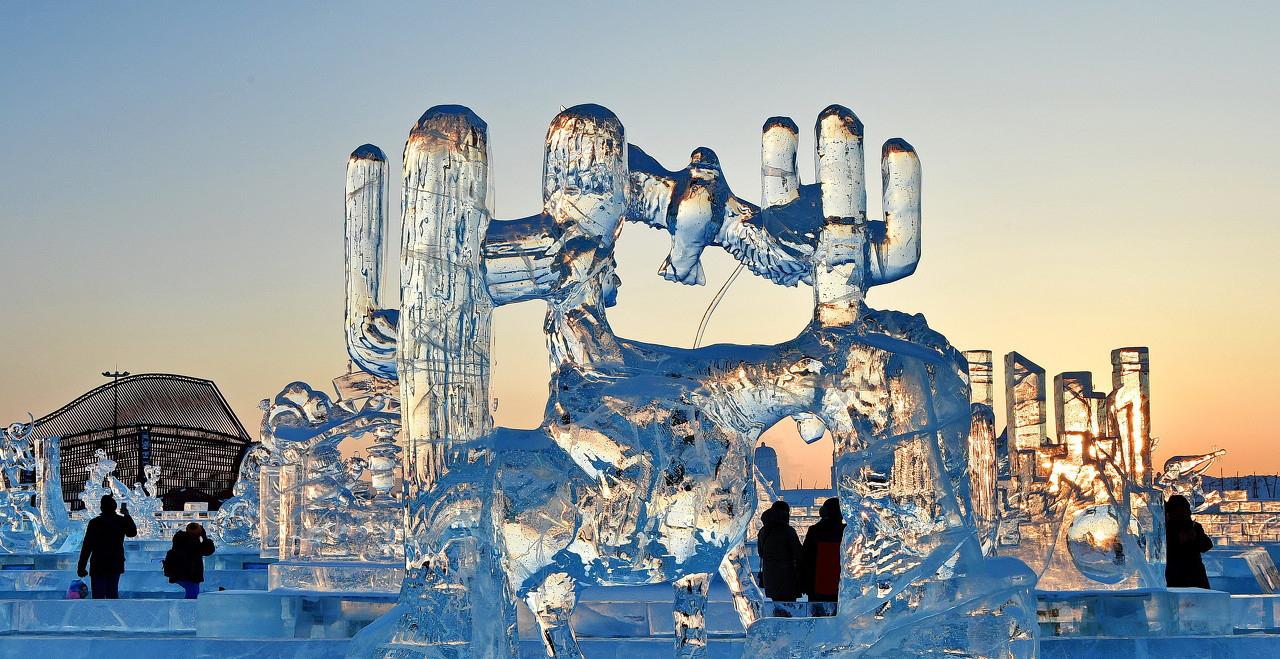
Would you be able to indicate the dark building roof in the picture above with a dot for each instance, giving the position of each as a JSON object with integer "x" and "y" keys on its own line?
{"x": 157, "y": 399}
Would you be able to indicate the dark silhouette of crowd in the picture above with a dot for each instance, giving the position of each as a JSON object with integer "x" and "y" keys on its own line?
{"x": 789, "y": 568}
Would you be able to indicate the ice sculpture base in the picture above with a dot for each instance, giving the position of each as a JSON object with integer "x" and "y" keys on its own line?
{"x": 1255, "y": 613}
{"x": 1219, "y": 647}
{"x": 278, "y": 614}
{"x": 1134, "y": 613}
{"x": 1242, "y": 570}
{"x": 172, "y": 616}
{"x": 336, "y": 576}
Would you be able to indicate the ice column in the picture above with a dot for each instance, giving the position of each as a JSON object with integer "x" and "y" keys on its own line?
{"x": 1130, "y": 411}
{"x": 1025, "y": 415}
{"x": 982, "y": 446}
{"x": 371, "y": 332}
{"x": 448, "y": 598}
{"x": 840, "y": 277}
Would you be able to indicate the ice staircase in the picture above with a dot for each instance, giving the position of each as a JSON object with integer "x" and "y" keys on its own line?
{"x": 237, "y": 617}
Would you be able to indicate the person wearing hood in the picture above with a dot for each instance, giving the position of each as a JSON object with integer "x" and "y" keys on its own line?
{"x": 184, "y": 564}
{"x": 780, "y": 554}
{"x": 103, "y": 549}
{"x": 1186, "y": 541}
{"x": 822, "y": 553}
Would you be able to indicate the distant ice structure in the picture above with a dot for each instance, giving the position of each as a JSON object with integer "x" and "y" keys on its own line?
{"x": 642, "y": 471}
{"x": 1184, "y": 474}
{"x": 1081, "y": 508}
{"x": 143, "y": 500}
{"x": 983, "y": 468}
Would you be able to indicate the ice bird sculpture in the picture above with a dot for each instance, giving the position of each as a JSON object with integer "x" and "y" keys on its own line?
{"x": 642, "y": 469}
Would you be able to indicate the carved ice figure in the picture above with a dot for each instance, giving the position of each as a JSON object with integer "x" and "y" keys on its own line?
{"x": 144, "y": 504}
{"x": 642, "y": 470}
{"x": 1184, "y": 474}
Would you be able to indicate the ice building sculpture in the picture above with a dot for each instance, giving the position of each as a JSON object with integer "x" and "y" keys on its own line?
{"x": 1080, "y": 506}
{"x": 642, "y": 469}
{"x": 1184, "y": 474}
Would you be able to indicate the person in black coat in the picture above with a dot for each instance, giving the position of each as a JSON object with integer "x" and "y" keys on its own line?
{"x": 1186, "y": 540}
{"x": 184, "y": 564}
{"x": 780, "y": 554}
{"x": 822, "y": 553}
{"x": 103, "y": 549}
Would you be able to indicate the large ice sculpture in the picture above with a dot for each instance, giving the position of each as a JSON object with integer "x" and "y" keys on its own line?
{"x": 642, "y": 470}
{"x": 1080, "y": 508}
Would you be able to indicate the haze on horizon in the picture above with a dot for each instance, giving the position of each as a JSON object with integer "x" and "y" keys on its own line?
{"x": 1095, "y": 176}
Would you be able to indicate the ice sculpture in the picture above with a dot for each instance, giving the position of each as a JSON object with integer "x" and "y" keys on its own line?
{"x": 18, "y": 518}
{"x": 642, "y": 470}
{"x": 1080, "y": 509}
{"x": 1184, "y": 474}
{"x": 143, "y": 500}
{"x": 982, "y": 448}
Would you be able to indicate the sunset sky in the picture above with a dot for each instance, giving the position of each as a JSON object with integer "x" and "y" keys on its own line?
{"x": 1095, "y": 176}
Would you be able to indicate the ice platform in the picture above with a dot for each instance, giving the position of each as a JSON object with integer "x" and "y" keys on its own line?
{"x": 282, "y": 614}
{"x": 1242, "y": 570}
{"x": 336, "y": 576}
{"x": 1141, "y": 612}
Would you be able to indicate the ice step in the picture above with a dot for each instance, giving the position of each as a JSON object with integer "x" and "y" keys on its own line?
{"x": 285, "y": 614}
{"x": 186, "y": 647}
{"x": 136, "y": 647}
{"x": 144, "y": 616}
{"x": 1250, "y": 646}
{"x": 132, "y": 581}
{"x": 134, "y": 560}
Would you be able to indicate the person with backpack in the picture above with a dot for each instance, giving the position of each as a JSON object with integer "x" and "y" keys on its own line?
{"x": 103, "y": 549}
{"x": 184, "y": 562}
{"x": 822, "y": 553}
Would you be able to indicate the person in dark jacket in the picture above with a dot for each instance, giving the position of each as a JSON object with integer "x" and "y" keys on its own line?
{"x": 1186, "y": 540}
{"x": 184, "y": 564}
{"x": 822, "y": 553}
{"x": 780, "y": 554}
{"x": 103, "y": 549}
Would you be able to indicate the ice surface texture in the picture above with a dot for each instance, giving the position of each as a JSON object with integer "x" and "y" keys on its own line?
{"x": 642, "y": 471}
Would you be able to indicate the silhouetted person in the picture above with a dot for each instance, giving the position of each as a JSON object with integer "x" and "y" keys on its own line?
{"x": 780, "y": 554}
{"x": 184, "y": 564}
{"x": 822, "y": 553}
{"x": 103, "y": 549}
{"x": 1185, "y": 542}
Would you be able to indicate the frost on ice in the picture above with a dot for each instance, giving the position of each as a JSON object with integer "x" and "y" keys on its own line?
{"x": 642, "y": 470}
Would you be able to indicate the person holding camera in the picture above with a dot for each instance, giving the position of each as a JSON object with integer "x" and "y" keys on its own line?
{"x": 103, "y": 549}
{"x": 184, "y": 564}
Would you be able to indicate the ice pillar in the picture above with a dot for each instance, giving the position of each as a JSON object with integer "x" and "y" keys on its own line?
{"x": 446, "y": 602}
{"x": 371, "y": 339}
{"x": 982, "y": 446}
{"x": 1130, "y": 411}
{"x": 1025, "y": 415}
{"x": 1079, "y": 418}
{"x": 840, "y": 261}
